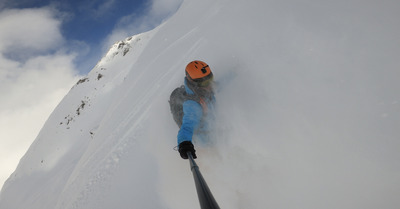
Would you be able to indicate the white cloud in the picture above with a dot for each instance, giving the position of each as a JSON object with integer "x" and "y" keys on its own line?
{"x": 35, "y": 74}
{"x": 28, "y": 31}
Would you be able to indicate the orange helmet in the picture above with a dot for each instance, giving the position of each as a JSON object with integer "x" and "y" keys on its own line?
{"x": 198, "y": 71}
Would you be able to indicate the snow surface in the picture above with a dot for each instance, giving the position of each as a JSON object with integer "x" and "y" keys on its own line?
{"x": 308, "y": 113}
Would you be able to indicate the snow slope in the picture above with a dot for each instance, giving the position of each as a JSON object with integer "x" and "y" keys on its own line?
{"x": 308, "y": 113}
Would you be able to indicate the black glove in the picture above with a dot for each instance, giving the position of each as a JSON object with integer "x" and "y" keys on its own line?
{"x": 186, "y": 146}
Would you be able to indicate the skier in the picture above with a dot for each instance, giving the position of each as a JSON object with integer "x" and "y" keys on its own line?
{"x": 192, "y": 106}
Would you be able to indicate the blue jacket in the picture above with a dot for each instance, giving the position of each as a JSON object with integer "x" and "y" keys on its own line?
{"x": 195, "y": 121}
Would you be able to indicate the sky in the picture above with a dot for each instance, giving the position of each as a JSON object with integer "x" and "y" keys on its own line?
{"x": 46, "y": 46}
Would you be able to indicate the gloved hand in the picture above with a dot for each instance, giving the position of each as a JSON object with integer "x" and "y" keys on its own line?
{"x": 186, "y": 146}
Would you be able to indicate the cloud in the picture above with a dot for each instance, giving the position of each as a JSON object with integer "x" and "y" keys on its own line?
{"x": 28, "y": 31}
{"x": 156, "y": 13}
{"x": 36, "y": 72}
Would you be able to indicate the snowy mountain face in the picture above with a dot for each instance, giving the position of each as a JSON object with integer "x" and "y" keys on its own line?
{"x": 308, "y": 113}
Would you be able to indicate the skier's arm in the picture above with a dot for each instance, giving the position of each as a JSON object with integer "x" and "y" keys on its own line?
{"x": 192, "y": 114}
